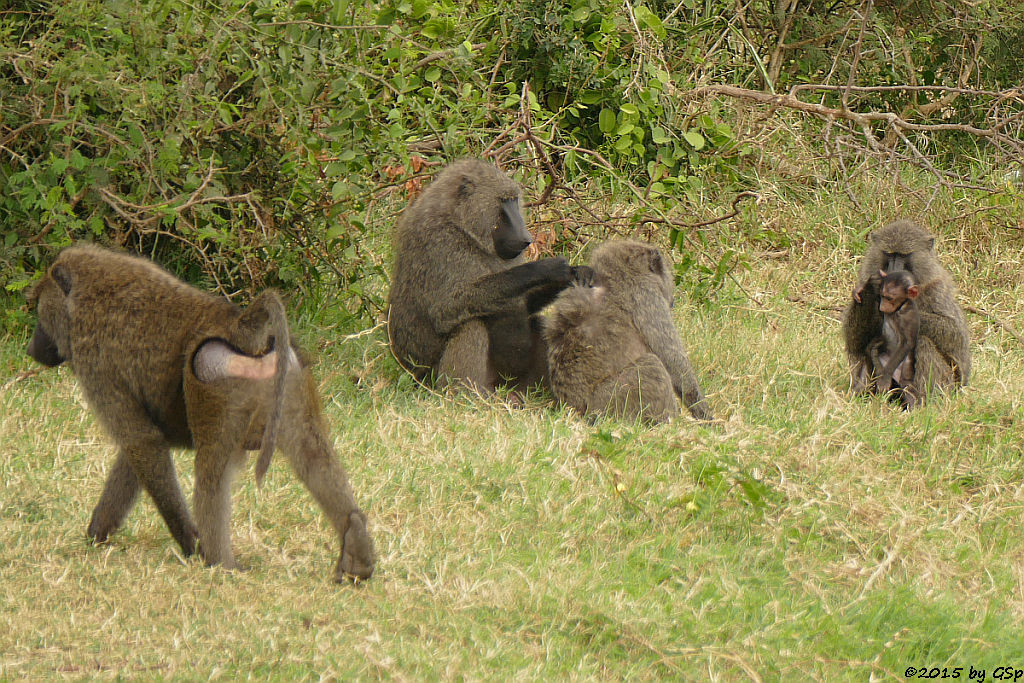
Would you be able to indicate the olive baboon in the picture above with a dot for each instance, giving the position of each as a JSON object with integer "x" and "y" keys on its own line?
{"x": 943, "y": 357}
{"x": 893, "y": 354}
{"x": 462, "y": 296}
{"x": 613, "y": 348}
{"x": 165, "y": 365}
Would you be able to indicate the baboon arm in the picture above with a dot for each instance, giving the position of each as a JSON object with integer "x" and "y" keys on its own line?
{"x": 663, "y": 340}
{"x": 496, "y": 292}
{"x": 539, "y": 298}
{"x": 945, "y": 331}
{"x": 895, "y": 360}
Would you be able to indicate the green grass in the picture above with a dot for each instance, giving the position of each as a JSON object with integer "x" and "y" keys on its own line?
{"x": 807, "y": 534}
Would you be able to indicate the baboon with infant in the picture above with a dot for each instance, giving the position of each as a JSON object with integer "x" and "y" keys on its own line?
{"x": 165, "y": 365}
{"x": 894, "y": 353}
{"x": 613, "y": 348}
{"x": 942, "y": 353}
{"x": 463, "y": 299}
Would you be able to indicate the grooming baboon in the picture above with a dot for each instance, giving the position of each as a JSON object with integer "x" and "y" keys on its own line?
{"x": 462, "y": 296}
{"x": 943, "y": 357}
{"x": 893, "y": 353}
{"x": 613, "y": 348}
{"x": 165, "y": 365}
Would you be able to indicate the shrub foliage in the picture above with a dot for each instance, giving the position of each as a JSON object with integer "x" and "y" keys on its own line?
{"x": 250, "y": 142}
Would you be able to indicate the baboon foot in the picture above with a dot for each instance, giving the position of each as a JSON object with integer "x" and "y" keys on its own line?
{"x": 188, "y": 539}
{"x": 100, "y": 529}
{"x": 700, "y": 410}
{"x": 357, "y": 555}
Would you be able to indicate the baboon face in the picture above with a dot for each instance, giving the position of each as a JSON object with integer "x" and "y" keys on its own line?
{"x": 488, "y": 206}
{"x": 897, "y": 243}
{"x": 51, "y": 341}
{"x": 897, "y": 288}
{"x": 510, "y": 234}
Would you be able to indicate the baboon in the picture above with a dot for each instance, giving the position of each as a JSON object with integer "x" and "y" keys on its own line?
{"x": 463, "y": 298}
{"x": 165, "y": 365}
{"x": 893, "y": 353}
{"x": 613, "y": 348}
{"x": 943, "y": 357}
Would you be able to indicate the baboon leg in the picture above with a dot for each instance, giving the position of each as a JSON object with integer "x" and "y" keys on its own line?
{"x": 149, "y": 455}
{"x": 466, "y": 359}
{"x": 931, "y": 370}
{"x": 215, "y": 471}
{"x": 860, "y": 374}
{"x": 537, "y": 370}
{"x": 118, "y": 498}
{"x": 312, "y": 457}
{"x": 643, "y": 390}
{"x": 154, "y": 467}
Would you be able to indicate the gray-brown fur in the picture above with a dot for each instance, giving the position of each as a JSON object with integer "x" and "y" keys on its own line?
{"x": 894, "y": 353}
{"x": 463, "y": 298}
{"x": 138, "y": 340}
{"x": 943, "y": 357}
{"x": 613, "y": 348}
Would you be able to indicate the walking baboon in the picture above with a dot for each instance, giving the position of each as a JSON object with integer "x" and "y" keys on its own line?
{"x": 613, "y": 348}
{"x": 165, "y": 365}
{"x": 943, "y": 357}
{"x": 462, "y": 296}
{"x": 893, "y": 353}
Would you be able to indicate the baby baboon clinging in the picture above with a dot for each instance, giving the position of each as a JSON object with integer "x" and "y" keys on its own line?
{"x": 893, "y": 353}
{"x": 613, "y": 348}
{"x": 943, "y": 357}
{"x": 165, "y": 365}
{"x": 462, "y": 296}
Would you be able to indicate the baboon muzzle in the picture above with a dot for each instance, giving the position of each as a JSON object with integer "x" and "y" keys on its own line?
{"x": 511, "y": 236}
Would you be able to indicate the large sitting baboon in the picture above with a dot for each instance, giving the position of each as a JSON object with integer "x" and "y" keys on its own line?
{"x": 165, "y": 365}
{"x": 943, "y": 356}
{"x": 613, "y": 348}
{"x": 462, "y": 296}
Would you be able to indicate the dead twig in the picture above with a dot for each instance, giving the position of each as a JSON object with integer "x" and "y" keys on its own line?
{"x": 1012, "y": 332}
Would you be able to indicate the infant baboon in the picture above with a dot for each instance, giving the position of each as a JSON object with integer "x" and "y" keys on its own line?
{"x": 462, "y": 296}
{"x": 613, "y": 348}
{"x": 943, "y": 357}
{"x": 893, "y": 353}
{"x": 165, "y": 365}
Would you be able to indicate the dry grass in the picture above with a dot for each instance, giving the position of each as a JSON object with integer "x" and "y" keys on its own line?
{"x": 807, "y": 533}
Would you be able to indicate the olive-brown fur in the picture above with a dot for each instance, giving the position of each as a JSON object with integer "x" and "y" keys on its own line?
{"x": 131, "y": 332}
{"x": 462, "y": 296}
{"x": 894, "y": 353}
{"x": 613, "y": 348}
{"x": 943, "y": 357}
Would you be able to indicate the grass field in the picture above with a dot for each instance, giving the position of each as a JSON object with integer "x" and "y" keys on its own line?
{"x": 806, "y": 534}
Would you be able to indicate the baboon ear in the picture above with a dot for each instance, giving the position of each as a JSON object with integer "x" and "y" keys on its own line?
{"x": 466, "y": 187}
{"x": 913, "y": 291}
{"x": 62, "y": 277}
{"x": 655, "y": 262}
{"x": 931, "y": 244}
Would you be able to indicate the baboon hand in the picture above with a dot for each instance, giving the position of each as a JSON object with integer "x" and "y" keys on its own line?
{"x": 583, "y": 276}
{"x": 558, "y": 269}
{"x": 357, "y": 555}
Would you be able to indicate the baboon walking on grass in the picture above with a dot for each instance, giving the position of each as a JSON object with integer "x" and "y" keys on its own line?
{"x": 613, "y": 348}
{"x": 463, "y": 298}
{"x": 943, "y": 356}
{"x": 165, "y": 365}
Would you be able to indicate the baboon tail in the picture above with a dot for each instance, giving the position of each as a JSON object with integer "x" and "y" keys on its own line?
{"x": 271, "y": 303}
